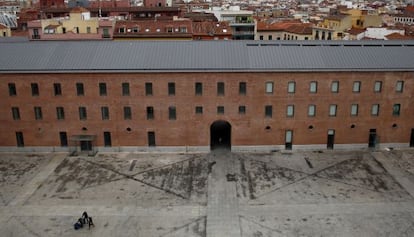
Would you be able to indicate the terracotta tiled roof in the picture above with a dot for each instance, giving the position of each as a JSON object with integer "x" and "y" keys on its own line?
{"x": 300, "y": 29}
{"x": 355, "y": 31}
{"x": 3, "y": 26}
{"x": 211, "y": 28}
{"x": 275, "y": 26}
{"x": 79, "y": 10}
{"x": 397, "y": 36}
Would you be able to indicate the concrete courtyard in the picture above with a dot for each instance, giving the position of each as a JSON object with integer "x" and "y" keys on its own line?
{"x": 313, "y": 193}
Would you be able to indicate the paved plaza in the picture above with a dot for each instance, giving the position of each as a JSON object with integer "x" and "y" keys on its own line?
{"x": 217, "y": 194}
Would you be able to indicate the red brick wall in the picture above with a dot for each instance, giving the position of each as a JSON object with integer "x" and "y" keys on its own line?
{"x": 194, "y": 130}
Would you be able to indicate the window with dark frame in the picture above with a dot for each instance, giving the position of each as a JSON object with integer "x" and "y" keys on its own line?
{"x": 60, "y": 113}
{"x": 63, "y": 139}
{"x": 356, "y": 87}
{"x": 220, "y": 88}
{"x": 38, "y": 113}
{"x": 396, "y": 109}
{"x": 35, "y": 89}
{"x": 290, "y": 110}
{"x": 375, "y": 110}
{"x": 57, "y": 88}
{"x": 127, "y": 113}
{"x": 150, "y": 113}
{"x": 12, "y": 89}
{"x": 377, "y": 86}
{"x": 313, "y": 87}
{"x": 242, "y": 109}
{"x": 311, "y": 110}
{"x": 354, "y": 110}
{"x": 148, "y": 88}
{"x": 102, "y": 89}
{"x": 291, "y": 87}
{"x": 268, "y": 111}
{"x": 171, "y": 88}
{"x": 242, "y": 88}
{"x": 399, "y": 86}
{"x": 82, "y": 113}
{"x": 172, "y": 113}
{"x": 19, "y": 139}
{"x": 15, "y": 113}
{"x": 125, "y": 89}
{"x": 335, "y": 87}
{"x": 269, "y": 87}
{"x": 198, "y": 88}
{"x": 107, "y": 139}
{"x": 332, "y": 110}
{"x": 79, "y": 89}
{"x": 105, "y": 113}
{"x": 199, "y": 109}
{"x": 220, "y": 109}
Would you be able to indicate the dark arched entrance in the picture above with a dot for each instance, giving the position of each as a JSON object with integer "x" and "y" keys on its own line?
{"x": 220, "y": 135}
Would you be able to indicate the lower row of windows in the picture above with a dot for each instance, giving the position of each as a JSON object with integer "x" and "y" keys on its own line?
{"x": 87, "y": 145}
{"x": 172, "y": 111}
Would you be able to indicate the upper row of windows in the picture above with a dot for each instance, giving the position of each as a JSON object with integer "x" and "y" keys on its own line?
{"x": 198, "y": 87}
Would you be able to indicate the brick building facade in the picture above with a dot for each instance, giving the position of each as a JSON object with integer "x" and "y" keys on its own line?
{"x": 63, "y": 102}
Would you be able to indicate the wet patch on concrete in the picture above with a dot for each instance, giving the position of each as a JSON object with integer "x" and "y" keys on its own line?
{"x": 256, "y": 178}
{"x": 370, "y": 225}
{"x": 16, "y": 170}
{"x": 84, "y": 179}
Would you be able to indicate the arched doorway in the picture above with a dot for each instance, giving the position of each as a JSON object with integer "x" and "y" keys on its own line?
{"x": 220, "y": 135}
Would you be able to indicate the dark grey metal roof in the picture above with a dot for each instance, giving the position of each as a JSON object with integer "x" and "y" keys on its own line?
{"x": 168, "y": 56}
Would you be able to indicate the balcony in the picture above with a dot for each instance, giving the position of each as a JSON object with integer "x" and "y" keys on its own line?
{"x": 106, "y": 36}
{"x": 35, "y": 37}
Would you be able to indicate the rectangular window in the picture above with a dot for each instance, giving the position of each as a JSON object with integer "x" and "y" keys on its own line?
{"x": 269, "y": 87}
{"x": 242, "y": 88}
{"x": 198, "y": 88}
{"x": 102, "y": 89}
{"x": 19, "y": 139}
{"x": 15, "y": 113}
{"x": 60, "y": 113}
{"x": 291, "y": 87}
{"x": 63, "y": 139}
{"x": 199, "y": 109}
{"x": 268, "y": 111}
{"x": 171, "y": 88}
{"x": 82, "y": 113}
{"x": 105, "y": 113}
{"x": 35, "y": 89}
{"x": 396, "y": 109}
{"x": 127, "y": 113}
{"x": 375, "y": 110}
{"x": 172, "y": 113}
{"x": 377, "y": 86}
{"x": 12, "y": 89}
{"x": 38, "y": 113}
{"x": 220, "y": 88}
{"x": 79, "y": 89}
{"x": 290, "y": 110}
{"x": 311, "y": 110}
{"x": 150, "y": 112}
{"x": 332, "y": 110}
{"x": 288, "y": 139}
{"x": 151, "y": 138}
{"x": 356, "y": 87}
{"x": 125, "y": 89}
{"x": 57, "y": 88}
{"x": 107, "y": 139}
{"x": 399, "y": 86}
{"x": 335, "y": 87}
{"x": 313, "y": 87}
{"x": 242, "y": 109}
{"x": 220, "y": 109}
{"x": 148, "y": 88}
{"x": 354, "y": 109}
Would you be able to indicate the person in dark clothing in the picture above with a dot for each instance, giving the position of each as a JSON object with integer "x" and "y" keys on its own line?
{"x": 85, "y": 217}
{"x": 90, "y": 222}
